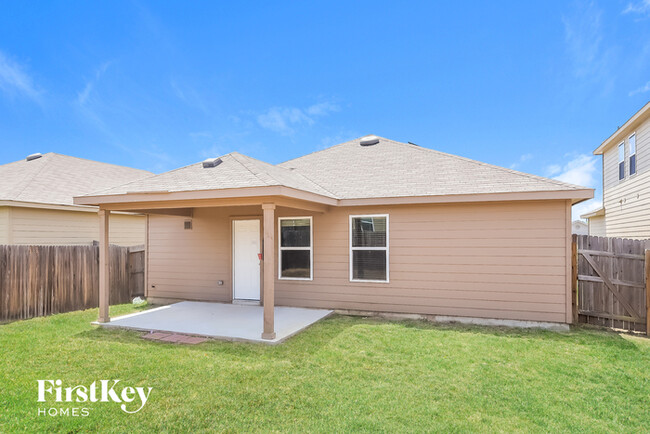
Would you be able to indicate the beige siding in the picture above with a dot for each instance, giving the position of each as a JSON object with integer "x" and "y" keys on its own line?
{"x": 627, "y": 208}
{"x": 597, "y": 226}
{"x": 496, "y": 260}
{"x": 627, "y": 202}
{"x": 187, "y": 264}
{"x": 4, "y": 225}
{"x": 50, "y": 227}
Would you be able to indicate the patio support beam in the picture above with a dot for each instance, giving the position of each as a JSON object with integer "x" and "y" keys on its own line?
{"x": 104, "y": 293}
{"x": 269, "y": 270}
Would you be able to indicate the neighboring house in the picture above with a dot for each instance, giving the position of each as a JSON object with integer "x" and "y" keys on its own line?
{"x": 579, "y": 227}
{"x": 36, "y": 201}
{"x": 367, "y": 225}
{"x": 626, "y": 181}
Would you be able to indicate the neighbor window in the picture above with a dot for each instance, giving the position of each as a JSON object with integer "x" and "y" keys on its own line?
{"x": 296, "y": 248}
{"x": 621, "y": 161}
{"x": 369, "y": 248}
{"x": 632, "y": 141}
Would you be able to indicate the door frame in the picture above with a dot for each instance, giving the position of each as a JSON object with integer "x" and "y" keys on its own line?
{"x": 232, "y": 254}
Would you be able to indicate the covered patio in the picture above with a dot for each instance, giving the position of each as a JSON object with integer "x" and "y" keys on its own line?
{"x": 214, "y": 240}
{"x": 233, "y": 322}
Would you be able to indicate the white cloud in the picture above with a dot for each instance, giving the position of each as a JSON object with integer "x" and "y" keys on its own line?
{"x": 642, "y": 89}
{"x": 591, "y": 57}
{"x": 640, "y": 8}
{"x": 13, "y": 79}
{"x": 284, "y": 119}
{"x": 581, "y": 170}
{"x": 82, "y": 97}
{"x": 522, "y": 159}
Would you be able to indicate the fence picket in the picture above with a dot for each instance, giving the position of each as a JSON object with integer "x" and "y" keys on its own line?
{"x": 44, "y": 280}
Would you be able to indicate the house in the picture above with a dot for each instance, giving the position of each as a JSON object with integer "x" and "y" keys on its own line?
{"x": 626, "y": 181}
{"x": 580, "y": 228}
{"x": 370, "y": 225}
{"x": 36, "y": 201}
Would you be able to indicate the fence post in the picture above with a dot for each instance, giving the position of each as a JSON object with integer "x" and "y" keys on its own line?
{"x": 647, "y": 292}
{"x": 574, "y": 277}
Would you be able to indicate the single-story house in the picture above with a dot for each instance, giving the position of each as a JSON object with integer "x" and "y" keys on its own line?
{"x": 369, "y": 225}
{"x": 36, "y": 201}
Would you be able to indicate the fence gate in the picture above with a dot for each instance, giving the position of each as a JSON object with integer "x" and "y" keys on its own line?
{"x": 610, "y": 278}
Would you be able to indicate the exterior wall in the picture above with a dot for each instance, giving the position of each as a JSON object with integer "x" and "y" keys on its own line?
{"x": 4, "y": 224}
{"x": 489, "y": 260}
{"x": 187, "y": 264}
{"x": 597, "y": 226}
{"x": 627, "y": 202}
{"x": 55, "y": 227}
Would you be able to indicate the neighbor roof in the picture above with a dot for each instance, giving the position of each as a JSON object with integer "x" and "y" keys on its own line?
{"x": 386, "y": 169}
{"x": 57, "y": 179}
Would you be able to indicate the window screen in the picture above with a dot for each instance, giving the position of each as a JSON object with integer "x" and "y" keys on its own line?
{"x": 621, "y": 161}
{"x": 632, "y": 141}
{"x": 295, "y": 248}
{"x": 369, "y": 248}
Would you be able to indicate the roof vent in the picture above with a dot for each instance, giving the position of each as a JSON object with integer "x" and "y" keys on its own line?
{"x": 34, "y": 156}
{"x": 369, "y": 140}
{"x": 211, "y": 162}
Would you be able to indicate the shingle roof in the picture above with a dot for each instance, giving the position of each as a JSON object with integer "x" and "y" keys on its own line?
{"x": 235, "y": 171}
{"x": 56, "y": 179}
{"x": 395, "y": 169}
{"x": 352, "y": 171}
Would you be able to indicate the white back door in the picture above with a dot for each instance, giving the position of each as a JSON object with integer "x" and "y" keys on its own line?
{"x": 246, "y": 263}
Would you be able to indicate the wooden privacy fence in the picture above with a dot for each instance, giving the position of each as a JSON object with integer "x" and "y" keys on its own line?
{"x": 43, "y": 280}
{"x": 611, "y": 281}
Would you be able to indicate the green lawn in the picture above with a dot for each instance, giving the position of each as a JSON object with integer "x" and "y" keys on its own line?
{"x": 342, "y": 374}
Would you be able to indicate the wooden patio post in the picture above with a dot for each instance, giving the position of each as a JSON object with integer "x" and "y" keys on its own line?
{"x": 104, "y": 292}
{"x": 269, "y": 270}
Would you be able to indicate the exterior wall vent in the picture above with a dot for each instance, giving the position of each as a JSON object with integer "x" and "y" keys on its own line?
{"x": 187, "y": 225}
{"x": 369, "y": 141}
{"x": 33, "y": 156}
{"x": 211, "y": 162}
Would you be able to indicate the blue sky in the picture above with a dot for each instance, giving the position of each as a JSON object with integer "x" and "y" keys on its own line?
{"x": 157, "y": 85}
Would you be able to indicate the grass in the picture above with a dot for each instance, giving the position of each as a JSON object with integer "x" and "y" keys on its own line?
{"x": 342, "y": 374}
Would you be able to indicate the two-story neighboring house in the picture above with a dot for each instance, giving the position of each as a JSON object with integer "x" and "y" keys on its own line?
{"x": 626, "y": 181}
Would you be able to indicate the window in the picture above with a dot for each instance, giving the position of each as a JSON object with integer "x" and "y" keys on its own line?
{"x": 632, "y": 141}
{"x": 369, "y": 248}
{"x": 621, "y": 161}
{"x": 296, "y": 248}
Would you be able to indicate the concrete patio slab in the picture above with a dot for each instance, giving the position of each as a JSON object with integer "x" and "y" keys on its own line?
{"x": 218, "y": 320}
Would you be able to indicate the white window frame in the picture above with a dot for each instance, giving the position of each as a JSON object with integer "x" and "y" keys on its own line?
{"x": 620, "y": 160}
{"x": 629, "y": 157}
{"x": 387, "y": 248}
{"x": 310, "y": 248}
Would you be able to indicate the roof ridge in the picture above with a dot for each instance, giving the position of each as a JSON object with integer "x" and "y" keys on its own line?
{"x": 31, "y": 178}
{"x": 290, "y": 172}
{"x": 236, "y": 156}
{"x": 481, "y": 163}
{"x": 326, "y": 149}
